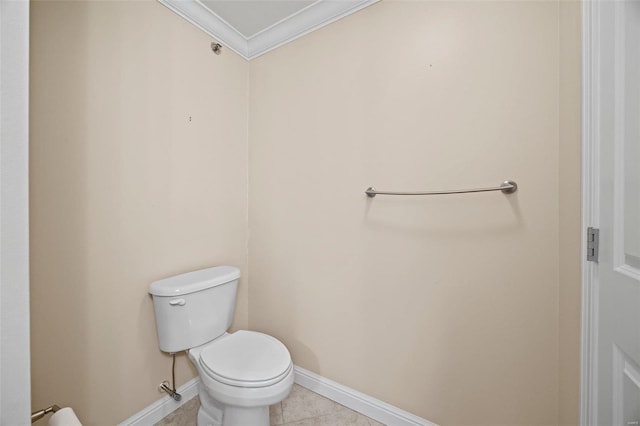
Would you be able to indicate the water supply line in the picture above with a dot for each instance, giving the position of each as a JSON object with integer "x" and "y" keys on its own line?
{"x": 164, "y": 386}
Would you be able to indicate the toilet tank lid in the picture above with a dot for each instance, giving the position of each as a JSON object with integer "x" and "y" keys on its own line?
{"x": 191, "y": 282}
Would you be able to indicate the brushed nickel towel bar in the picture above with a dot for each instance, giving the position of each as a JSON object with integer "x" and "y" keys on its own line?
{"x": 507, "y": 187}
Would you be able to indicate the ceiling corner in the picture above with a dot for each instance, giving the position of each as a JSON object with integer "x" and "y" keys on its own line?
{"x": 310, "y": 18}
{"x": 203, "y": 18}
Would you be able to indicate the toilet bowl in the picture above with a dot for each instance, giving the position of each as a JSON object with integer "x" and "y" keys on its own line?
{"x": 242, "y": 384}
{"x": 241, "y": 373}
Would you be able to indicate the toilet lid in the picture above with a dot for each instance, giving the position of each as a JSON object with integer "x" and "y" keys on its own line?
{"x": 246, "y": 359}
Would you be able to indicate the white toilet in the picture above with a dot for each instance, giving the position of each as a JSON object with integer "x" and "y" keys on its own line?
{"x": 242, "y": 373}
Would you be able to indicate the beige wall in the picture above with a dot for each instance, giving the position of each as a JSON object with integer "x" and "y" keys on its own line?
{"x": 444, "y": 306}
{"x": 125, "y": 190}
{"x": 569, "y": 175}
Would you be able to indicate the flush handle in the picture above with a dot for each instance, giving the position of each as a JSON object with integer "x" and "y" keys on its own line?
{"x": 177, "y": 302}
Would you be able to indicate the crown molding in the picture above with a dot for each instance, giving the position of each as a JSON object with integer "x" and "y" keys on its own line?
{"x": 312, "y": 17}
{"x": 203, "y": 18}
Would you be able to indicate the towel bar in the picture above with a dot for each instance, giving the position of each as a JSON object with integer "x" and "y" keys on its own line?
{"x": 507, "y": 187}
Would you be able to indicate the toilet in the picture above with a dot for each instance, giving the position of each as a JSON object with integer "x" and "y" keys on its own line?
{"x": 241, "y": 373}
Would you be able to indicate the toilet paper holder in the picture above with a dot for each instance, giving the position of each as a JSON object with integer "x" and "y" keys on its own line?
{"x": 37, "y": 415}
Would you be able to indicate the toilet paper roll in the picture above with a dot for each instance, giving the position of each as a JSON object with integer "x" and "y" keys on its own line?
{"x": 64, "y": 417}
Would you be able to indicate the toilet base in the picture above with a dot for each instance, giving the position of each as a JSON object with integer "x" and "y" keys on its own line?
{"x": 213, "y": 413}
{"x": 242, "y": 416}
{"x": 237, "y": 416}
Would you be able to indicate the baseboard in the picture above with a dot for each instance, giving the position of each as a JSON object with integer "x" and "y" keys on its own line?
{"x": 350, "y": 398}
{"x": 164, "y": 406}
{"x": 357, "y": 401}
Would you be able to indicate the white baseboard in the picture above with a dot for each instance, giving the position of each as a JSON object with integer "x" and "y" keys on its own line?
{"x": 357, "y": 401}
{"x": 164, "y": 406}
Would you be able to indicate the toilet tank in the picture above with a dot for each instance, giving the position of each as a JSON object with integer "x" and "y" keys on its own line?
{"x": 194, "y": 308}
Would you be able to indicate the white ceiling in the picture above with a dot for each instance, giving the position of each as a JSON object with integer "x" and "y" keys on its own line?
{"x": 250, "y": 17}
{"x": 254, "y": 27}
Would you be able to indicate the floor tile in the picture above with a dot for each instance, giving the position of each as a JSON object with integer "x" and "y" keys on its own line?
{"x": 303, "y": 404}
{"x": 275, "y": 414}
{"x": 344, "y": 417}
{"x": 186, "y": 415}
{"x": 301, "y": 408}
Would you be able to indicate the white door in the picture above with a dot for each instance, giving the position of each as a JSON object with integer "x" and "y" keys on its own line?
{"x": 615, "y": 127}
{"x": 15, "y": 398}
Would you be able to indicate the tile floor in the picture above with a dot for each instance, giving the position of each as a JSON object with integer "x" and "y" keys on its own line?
{"x": 301, "y": 408}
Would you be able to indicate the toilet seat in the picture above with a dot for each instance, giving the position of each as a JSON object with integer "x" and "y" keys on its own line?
{"x": 246, "y": 359}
